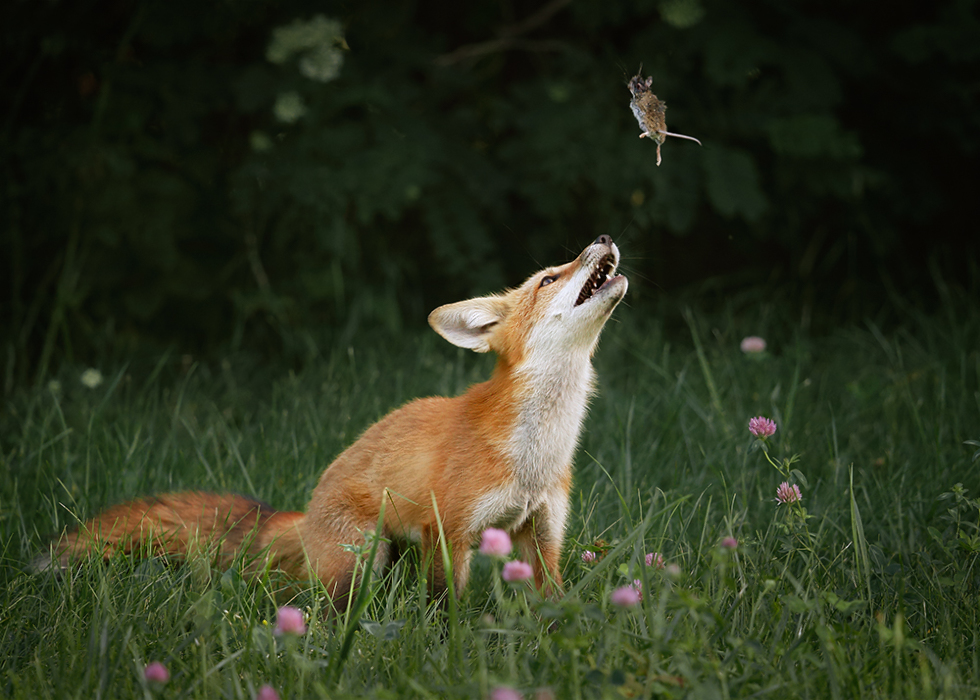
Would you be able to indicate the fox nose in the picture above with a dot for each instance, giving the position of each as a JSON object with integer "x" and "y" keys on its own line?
{"x": 604, "y": 240}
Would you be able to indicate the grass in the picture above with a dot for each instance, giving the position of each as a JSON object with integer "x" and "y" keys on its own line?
{"x": 870, "y": 591}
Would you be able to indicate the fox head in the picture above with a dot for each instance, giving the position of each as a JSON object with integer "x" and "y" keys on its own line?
{"x": 556, "y": 311}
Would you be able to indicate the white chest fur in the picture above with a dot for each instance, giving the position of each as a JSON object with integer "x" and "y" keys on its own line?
{"x": 549, "y": 420}
{"x": 551, "y": 410}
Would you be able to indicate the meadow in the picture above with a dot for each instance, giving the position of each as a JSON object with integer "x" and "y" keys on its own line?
{"x": 866, "y": 588}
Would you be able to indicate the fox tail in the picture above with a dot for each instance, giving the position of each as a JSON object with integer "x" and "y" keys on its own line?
{"x": 219, "y": 526}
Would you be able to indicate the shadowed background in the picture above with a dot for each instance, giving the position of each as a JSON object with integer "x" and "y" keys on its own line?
{"x": 269, "y": 177}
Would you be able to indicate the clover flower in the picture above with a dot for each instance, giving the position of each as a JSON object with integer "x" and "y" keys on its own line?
{"x": 289, "y": 620}
{"x": 156, "y": 672}
{"x": 267, "y": 692}
{"x": 762, "y": 427}
{"x": 625, "y": 597}
{"x": 91, "y": 378}
{"x": 588, "y": 556}
{"x": 517, "y": 571}
{"x": 753, "y": 344}
{"x": 787, "y": 493}
{"x": 655, "y": 559}
{"x": 495, "y": 543}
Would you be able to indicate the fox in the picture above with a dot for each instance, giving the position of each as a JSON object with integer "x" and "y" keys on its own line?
{"x": 499, "y": 455}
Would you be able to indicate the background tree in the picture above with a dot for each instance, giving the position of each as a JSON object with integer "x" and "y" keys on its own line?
{"x": 213, "y": 176}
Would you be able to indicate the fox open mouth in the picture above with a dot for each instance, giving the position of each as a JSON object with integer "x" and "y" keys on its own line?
{"x": 603, "y": 269}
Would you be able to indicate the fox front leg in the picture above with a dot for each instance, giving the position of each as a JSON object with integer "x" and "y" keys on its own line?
{"x": 539, "y": 542}
{"x": 460, "y": 554}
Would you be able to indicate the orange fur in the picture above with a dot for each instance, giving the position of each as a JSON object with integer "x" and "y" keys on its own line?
{"x": 221, "y": 526}
{"x": 498, "y": 455}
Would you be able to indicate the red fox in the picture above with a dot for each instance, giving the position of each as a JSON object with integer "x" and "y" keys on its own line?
{"x": 499, "y": 455}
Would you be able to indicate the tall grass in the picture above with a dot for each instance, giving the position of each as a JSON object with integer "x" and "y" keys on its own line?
{"x": 870, "y": 590}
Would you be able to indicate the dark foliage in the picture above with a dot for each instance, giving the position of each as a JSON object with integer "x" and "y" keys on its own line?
{"x": 166, "y": 184}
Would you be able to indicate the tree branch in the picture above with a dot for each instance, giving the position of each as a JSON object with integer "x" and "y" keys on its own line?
{"x": 508, "y": 38}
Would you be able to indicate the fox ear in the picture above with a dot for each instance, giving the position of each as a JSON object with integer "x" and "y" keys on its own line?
{"x": 469, "y": 324}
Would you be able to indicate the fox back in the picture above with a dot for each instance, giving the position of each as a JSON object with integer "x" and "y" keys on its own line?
{"x": 498, "y": 455}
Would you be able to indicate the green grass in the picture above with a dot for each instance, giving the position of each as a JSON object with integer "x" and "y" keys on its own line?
{"x": 874, "y": 594}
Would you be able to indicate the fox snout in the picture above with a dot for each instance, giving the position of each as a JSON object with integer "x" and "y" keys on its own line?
{"x": 600, "y": 259}
{"x": 596, "y": 287}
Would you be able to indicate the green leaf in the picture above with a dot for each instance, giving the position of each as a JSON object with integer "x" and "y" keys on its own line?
{"x": 387, "y": 631}
{"x": 861, "y": 556}
{"x": 797, "y": 476}
{"x": 974, "y": 443}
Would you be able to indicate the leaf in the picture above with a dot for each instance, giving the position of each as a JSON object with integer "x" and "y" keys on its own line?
{"x": 797, "y": 476}
{"x": 387, "y": 631}
{"x": 974, "y": 443}
{"x": 861, "y": 556}
{"x": 844, "y": 606}
{"x": 797, "y": 604}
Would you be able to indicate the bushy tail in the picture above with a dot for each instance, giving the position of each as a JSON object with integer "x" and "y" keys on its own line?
{"x": 219, "y": 526}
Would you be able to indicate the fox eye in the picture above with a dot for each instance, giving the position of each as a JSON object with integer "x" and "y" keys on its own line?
{"x": 548, "y": 280}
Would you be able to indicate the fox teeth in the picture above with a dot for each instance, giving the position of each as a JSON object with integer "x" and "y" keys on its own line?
{"x": 596, "y": 280}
